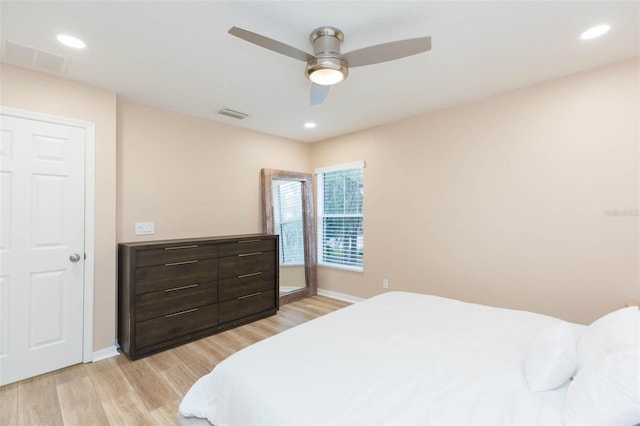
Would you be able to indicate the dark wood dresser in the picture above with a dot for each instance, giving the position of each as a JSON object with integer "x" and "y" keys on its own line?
{"x": 174, "y": 291}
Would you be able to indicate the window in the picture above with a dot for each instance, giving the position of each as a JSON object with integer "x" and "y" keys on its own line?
{"x": 287, "y": 218}
{"x": 340, "y": 235}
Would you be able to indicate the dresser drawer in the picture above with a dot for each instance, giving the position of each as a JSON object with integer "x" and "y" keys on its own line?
{"x": 246, "y": 246}
{"x": 160, "y": 303}
{"x": 176, "y": 253}
{"x": 175, "y": 274}
{"x": 242, "y": 285}
{"x": 176, "y": 324}
{"x": 243, "y": 306}
{"x": 246, "y": 263}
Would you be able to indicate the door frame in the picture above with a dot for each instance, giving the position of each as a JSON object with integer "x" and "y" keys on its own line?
{"x": 89, "y": 212}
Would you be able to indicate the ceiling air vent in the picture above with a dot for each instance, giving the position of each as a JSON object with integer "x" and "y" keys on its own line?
{"x": 231, "y": 113}
{"x": 29, "y": 56}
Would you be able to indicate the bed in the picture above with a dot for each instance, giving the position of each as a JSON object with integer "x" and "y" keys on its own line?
{"x": 406, "y": 358}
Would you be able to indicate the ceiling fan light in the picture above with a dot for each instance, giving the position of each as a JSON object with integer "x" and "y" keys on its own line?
{"x": 326, "y": 76}
{"x": 326, "y": 71}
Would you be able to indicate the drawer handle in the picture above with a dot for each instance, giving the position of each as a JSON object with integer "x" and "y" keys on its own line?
{"x": 249, "y": 275}
{"x": 181, "y": 263}
{"x": 249, "y": 241}
{"x": 250, "y": 254}
{"x": 181, "y": 288}
{"x": 181, "y": 313}
{"x": 250, "y": 295}
{"x": 181, "y": 247}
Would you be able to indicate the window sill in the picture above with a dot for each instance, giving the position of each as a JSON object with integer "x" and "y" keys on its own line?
{"x": 341, "y": 268}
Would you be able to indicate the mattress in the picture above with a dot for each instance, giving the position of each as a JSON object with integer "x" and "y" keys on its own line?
{"x": 397, "y": 358}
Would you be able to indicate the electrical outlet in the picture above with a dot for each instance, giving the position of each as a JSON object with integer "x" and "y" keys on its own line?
{"x": 145, "y": 228}
{"x": 385, "y": 283}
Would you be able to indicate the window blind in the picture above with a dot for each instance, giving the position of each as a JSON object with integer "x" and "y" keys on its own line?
{"x": 287, "y": 209}
{"x": 340, "y": 216}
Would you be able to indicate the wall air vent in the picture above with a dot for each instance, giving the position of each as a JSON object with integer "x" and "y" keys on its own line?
{"x": 32, "y": 57}
{"x": 231, "y": 113}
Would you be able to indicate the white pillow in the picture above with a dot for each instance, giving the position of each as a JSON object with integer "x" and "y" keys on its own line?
{"x": 606, "y": 391}
{"x": 614, "y": 331}
{"x": 552, "y": 358}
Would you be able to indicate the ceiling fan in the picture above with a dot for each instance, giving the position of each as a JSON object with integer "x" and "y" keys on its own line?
{"x": 327, "y": 66}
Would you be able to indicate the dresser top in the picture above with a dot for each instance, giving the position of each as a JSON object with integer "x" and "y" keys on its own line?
{"x": 202, "y": 240}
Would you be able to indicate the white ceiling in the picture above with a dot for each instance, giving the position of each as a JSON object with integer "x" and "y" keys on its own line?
{"x": 177, "y": 55}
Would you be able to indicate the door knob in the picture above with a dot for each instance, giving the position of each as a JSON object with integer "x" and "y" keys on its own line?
{"x": 74, "y": 257}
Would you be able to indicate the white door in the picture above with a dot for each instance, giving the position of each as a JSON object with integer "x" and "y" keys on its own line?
{"x": 42, "y": 178}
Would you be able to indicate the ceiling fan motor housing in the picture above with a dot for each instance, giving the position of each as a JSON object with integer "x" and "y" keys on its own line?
{"x": 326, "y": 49}
{"x": 326, "y": 40}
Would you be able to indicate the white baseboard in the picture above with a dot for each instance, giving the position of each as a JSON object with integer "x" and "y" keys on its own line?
{"x": 105, "y": 353}
{"x": 339, "y": 296}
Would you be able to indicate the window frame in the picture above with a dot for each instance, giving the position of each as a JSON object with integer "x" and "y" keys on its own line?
{"x": 321, "y": 216}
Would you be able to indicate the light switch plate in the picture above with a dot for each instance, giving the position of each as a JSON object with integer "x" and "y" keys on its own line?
{"x": 145, "y": 228}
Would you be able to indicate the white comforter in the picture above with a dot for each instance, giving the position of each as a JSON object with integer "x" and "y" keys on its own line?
{"x": 398, "y": 358}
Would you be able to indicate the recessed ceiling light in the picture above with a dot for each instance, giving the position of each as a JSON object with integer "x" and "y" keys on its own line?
{"x": 309, "y": 125}
{"x": 594, "y": 32}
{"x": 71, "y": 41}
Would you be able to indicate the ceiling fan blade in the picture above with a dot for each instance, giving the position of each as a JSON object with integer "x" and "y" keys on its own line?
{"x": 387, "y": 51}
{"x": 270, "y": 44}
{"x": 318, "y": 94}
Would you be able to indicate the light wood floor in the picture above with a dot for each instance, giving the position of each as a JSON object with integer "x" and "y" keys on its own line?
{"x": 116, "y": 391}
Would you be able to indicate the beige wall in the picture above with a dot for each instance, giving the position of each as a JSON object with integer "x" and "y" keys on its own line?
{"x": 194, "y": 177}
{"x": 43, "y": 93}
{"x": 508, "y": 201}
{"x": 191, "y": 176}
{"x": 292, "y": 276}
